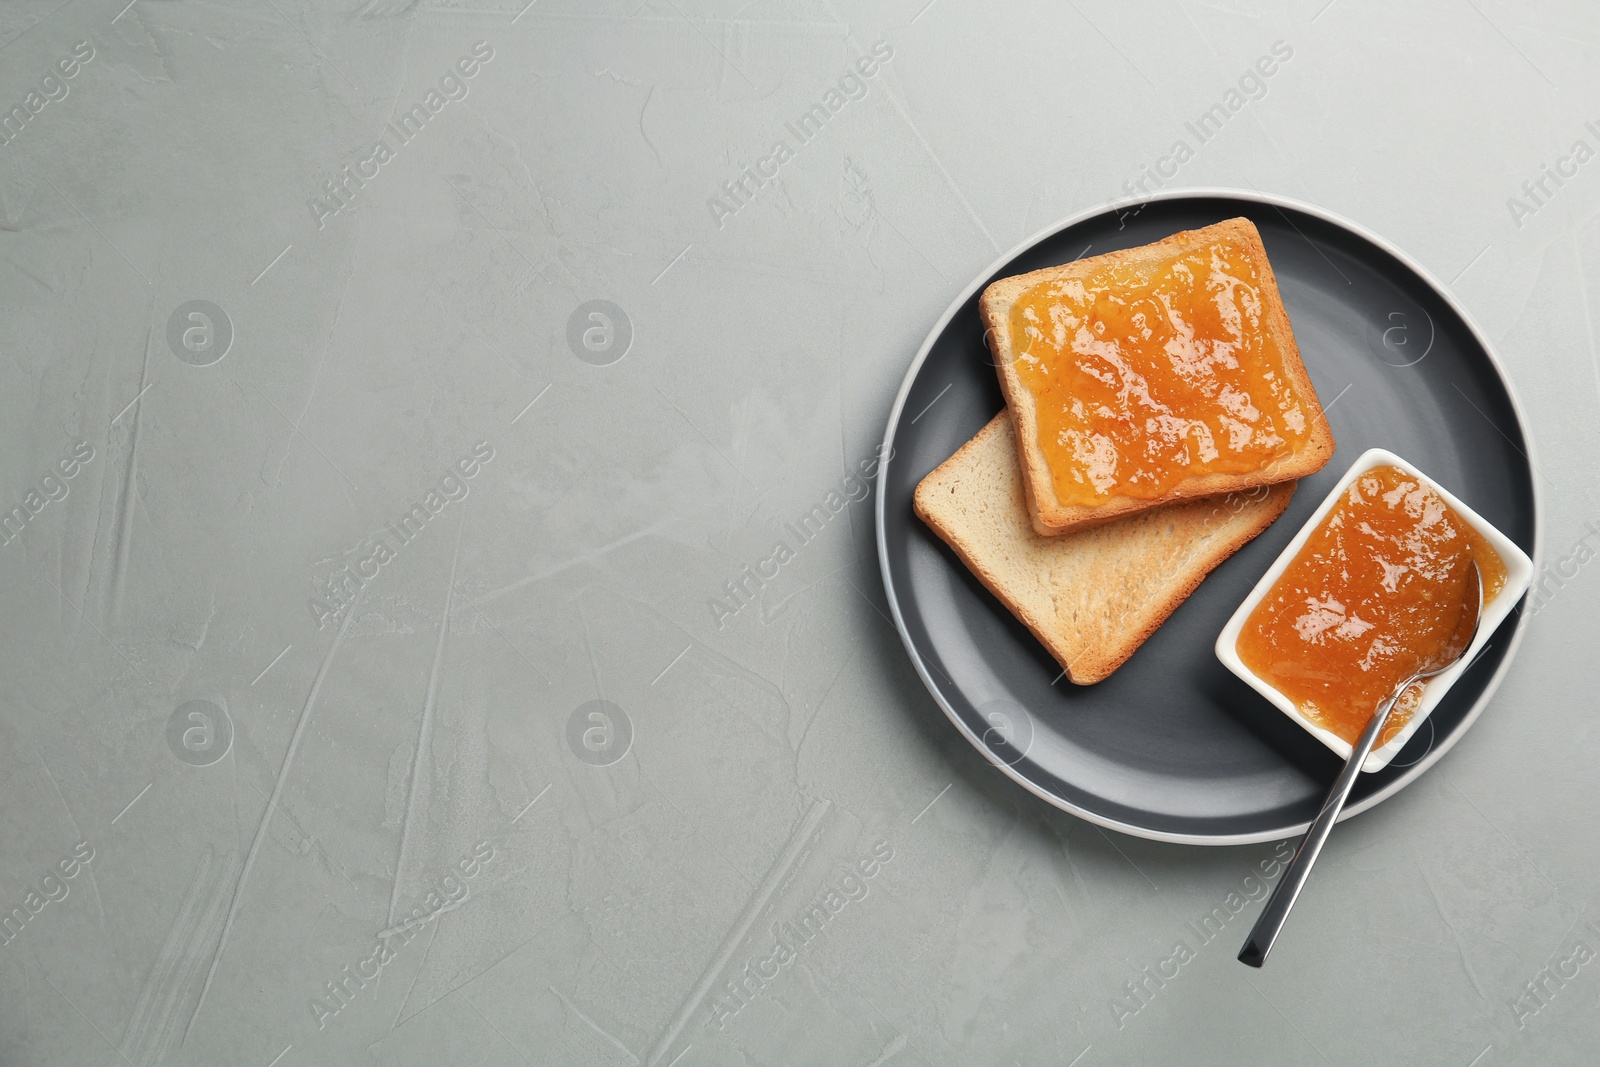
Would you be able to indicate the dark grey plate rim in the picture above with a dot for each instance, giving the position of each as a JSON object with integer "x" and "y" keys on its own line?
{"x": 1256, "y": 197}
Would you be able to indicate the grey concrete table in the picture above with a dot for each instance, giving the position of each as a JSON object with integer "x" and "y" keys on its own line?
{"x": 378, "y": 686}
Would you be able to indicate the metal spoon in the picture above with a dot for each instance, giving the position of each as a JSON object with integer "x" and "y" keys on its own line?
{"x": 1265, "y": 932}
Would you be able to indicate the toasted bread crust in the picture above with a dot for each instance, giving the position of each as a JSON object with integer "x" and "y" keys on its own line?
{"x": 1048, "y": 515}
{"x": 1061, "y": 587}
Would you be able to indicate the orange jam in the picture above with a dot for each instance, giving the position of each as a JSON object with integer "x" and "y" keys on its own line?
{"x": 1369, "y": 597}
{"x": 1149, "y": 372}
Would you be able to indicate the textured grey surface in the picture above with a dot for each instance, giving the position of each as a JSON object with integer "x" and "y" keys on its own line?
{"x": 333, "y": 859}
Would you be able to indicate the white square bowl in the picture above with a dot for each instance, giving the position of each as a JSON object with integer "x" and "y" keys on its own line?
{"x": 1519, "y": 572}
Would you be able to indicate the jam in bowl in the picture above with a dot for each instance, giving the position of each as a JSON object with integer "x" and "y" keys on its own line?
{"x": 1365, "y": 593}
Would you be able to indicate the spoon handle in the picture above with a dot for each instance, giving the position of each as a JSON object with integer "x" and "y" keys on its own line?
{"x": 1259, "y": 943}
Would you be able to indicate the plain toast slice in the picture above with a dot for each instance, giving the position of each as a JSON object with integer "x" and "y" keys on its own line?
{"x": 1048, "y": 513}
{"x": 1093, "y": 596}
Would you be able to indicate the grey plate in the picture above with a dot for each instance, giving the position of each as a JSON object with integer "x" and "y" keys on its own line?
{"x": 1172, "y": 746}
